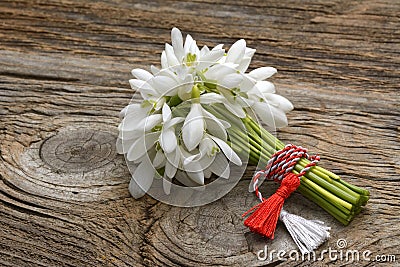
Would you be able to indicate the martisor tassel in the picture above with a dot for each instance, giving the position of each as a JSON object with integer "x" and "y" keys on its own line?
{"x": 307, "y": 234}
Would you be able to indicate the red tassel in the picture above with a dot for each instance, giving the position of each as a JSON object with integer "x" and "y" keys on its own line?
{"x": 265, "y": 215}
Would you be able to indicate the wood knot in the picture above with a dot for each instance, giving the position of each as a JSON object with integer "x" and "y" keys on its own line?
{"x": 81, "y": 150}
{"x": 76, "y": 163}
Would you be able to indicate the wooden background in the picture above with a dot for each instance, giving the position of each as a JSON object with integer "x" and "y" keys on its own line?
{"x": 64, "y": 70}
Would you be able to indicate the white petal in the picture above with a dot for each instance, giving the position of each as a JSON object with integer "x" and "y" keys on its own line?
{"x": 207, "y": 173}
{"x": 197, "y": 177}
{"x": 235, "y": 109}
{"x": 215, "y": 126}
{"x": 172, "y": 163}
{"x": 206, "y": 161}
{"x": 128, "y": 109}
{"x": 193, "y": 127}
{"x": 207, "y": 114}
{"x": 224, "y": 123}
{"x": 170, "y": 169}
{"x": 164, "y": 61}
{"x": 244, "y": 101}
{"x": 218, "y": 71}
{"x": 244, "y": 64}
{"x": 168, "y": 73}
{"x": 134, "y": 152}
{"x": 262, "y": 73}
{"x": 154, "y": 70}
{"x": 220, "y": 166}
{"x": 123, "y": 145}
{"x": 188, "y": 44}
{"x": 168, "y": 140}
{"x": 143, "y": 87}
{"x": 190, "y": 159}
{"x": 177, "y": 43}
{"x": 222, "y": 60}
{"x": 159, "y": 103}
{"x": 167, "y": 183}
{"x": 183, "y": 94}
{"x": 159, "y": 160}
{"x": 185, "y": 87}
{"x": 173, "y": 122}
{"x": 136, "y": 84}
{"x": 263, "y": 110}
{"x": 236, "y": 52}
{"x": 171, "y": 58}
{"x": 279, "y": 117}
{"x": 228, "y": 151}
{"x": 164, "y": 85}
{"x": 149, "y": 122}
{"x": 141, "y": 145}
{"x": 210, "y": 98}
{"x": 132, "y": 118}
{"x": 151, "y": 153}
{"x": 197, "y": 162}
{"x": 279, "y": 101}
{"x": 216, "y": 129}
{"x": 217, "y": 47}
{"x": 194, "y": 49}
{"x": 188, "y": 82}
{"x": 249, "y": 52}
{"x": 247, "y": 83}
{"x": 142, "y": 179}
{"x": 183, "y": 178}
{"x": 204, "y": 51}
{"x": 130, "y": 135}
{"x": 210, "y": 58}
{"x": 255, "y": 95}
{"x": 166, "y": 113}
{"x": 265, "y": 87}
{"x": 206, "y": 145}
{"x": 142, "y": 74}
{"x": 231, "y": 81}
{"x": 192, "y": 165}
{"x": 270, "y": 115}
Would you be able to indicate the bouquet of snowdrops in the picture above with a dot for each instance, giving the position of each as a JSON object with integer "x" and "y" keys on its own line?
{"x": 198, "y": 118}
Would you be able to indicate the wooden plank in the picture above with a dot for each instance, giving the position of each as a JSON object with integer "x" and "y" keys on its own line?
{"x": 64, "y": 68}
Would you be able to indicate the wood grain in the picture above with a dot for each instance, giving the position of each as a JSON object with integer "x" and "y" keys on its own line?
{"x": 64, "y": 70}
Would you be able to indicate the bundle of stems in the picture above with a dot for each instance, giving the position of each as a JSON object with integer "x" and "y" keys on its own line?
{"x": 250, "y": 140}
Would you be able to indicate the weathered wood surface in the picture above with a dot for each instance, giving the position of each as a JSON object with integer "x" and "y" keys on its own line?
{"x": 64, "y": 70}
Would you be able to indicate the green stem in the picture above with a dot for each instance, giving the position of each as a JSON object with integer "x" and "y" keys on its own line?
{"x": 341, "y": 217}
{"x": 325, "y": 188}
{"x": 336, "y": 201}
{"x": 357, "y": 189}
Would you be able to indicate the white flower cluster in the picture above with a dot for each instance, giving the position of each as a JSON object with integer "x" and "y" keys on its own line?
{"x": 172, "y": 133}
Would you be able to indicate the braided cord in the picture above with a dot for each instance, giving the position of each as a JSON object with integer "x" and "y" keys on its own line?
{"x": 281, "y": 163}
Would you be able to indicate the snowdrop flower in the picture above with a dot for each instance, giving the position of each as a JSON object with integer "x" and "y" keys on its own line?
{"x": 236, "y": 88}
{"x": 193, "y": 127}
{"x": 227, "y": 81}
{"x": 155, "y": 89}
{"x": 270, "y": 107}
{"x": 212, "y": 157}
{"x": 169, "y": 154}
{"x": 198, "y": 121}
{"x": 175, "y": 132}
{"x": 240, "y": 55}
{"x": 139, "y": 144}
{"x": 250, "y": 91}
{"x": 135, "y": 117}
{"x": 188, "y": 53}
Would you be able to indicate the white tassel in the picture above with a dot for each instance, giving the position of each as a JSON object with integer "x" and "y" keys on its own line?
{"x": 307, "y": 234}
